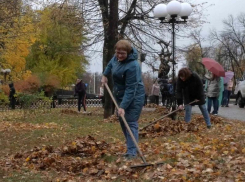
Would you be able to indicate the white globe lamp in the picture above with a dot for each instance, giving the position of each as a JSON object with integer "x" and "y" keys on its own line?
{"x": 160, "y": 11}
{"x": 174, "y": 8}
{"x": 186, "y": 10}
{"x": 7, "y": 70}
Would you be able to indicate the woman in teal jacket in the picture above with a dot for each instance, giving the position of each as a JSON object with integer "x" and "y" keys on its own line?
{"x": 128, "y": 89}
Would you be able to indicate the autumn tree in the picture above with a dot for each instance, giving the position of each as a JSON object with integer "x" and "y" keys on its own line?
{"x": 107, "y": 21}
{"x": 230, "y": 44}
{"x": 17, "y": 33}
{"x": 148, "y": 81}
{"x": 58, "y": 49}
{"x": 198, "y": 49}
{"x": 132, "y": 20}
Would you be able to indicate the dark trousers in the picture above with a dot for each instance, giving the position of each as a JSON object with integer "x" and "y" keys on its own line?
{"x": 156, "y": 99}
{"x": 164, "y": 97}
{"x": 145, "y": 103}
{"x": 12, "y": 102}
{"x": 170, "y": 100}
{"x": 213, "y": 101}
{"x": 81, "y": 100}
{"x": 226, "y": 97}
{"x": 102, "y": 100}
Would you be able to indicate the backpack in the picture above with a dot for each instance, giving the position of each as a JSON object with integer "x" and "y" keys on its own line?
{"x": 170, "y": 89}
{"x": 85, "y": 86}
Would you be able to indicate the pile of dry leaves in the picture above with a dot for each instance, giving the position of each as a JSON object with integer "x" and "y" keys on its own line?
{"x": 168, "y": 127}
{"x": 85, "y": 156}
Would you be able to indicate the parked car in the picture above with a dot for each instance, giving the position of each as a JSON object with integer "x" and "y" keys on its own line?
{"x": 240, "y": 92}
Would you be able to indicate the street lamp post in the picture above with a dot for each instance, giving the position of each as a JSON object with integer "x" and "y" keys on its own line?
{"x": 174, "y": 9}
{"x": 5, "y": 72}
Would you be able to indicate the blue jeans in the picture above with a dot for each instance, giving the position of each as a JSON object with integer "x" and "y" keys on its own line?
{"x": 215, "y": 102}
{"x": 131, "y": 148}
{"x": 226, "y": 97}
{"x": 204, "y": 111}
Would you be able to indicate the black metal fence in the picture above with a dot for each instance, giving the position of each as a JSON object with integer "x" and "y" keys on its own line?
{"x": 66, "y": 103}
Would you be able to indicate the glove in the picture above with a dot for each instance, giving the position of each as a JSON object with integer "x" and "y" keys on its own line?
{"x": 180, "y": 107}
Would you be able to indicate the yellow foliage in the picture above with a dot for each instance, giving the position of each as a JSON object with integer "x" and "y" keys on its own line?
{"x": 26, "y": 75}
{"x": 17, "y": 41}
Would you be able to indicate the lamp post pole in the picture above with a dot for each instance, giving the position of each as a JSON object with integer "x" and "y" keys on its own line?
{"x": 173, "y": 52}
{"x": 175, "y": 9}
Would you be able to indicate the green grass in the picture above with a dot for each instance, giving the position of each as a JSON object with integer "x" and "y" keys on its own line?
{"x": 69, "y": 127}
{"x": 110, "y": 159}
{"x": 27, "y": 175}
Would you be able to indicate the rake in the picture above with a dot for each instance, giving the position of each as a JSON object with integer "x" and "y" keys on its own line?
{"x": 145, "y": 164}
{"x": 165, "y": 116}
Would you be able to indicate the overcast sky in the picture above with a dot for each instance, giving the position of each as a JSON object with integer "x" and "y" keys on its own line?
{"x": 216, "y": 12}
{"x": 219, "y": 11}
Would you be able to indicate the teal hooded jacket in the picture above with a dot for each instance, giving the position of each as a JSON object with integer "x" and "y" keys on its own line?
{"x": 128, "y": 87}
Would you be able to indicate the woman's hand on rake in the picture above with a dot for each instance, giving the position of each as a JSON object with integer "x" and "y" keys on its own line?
{"x": 180, "y": 107}
{"x": 121, "y": 112}
{"x": 104, "y": 80}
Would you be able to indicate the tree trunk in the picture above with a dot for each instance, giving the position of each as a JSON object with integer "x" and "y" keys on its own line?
{"x": 111, "y": 37}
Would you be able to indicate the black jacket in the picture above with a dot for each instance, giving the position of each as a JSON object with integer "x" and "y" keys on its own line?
{"x": 80, "y": 88}
{"x": 190, "y": 90}
{"x": 12, "y": 90}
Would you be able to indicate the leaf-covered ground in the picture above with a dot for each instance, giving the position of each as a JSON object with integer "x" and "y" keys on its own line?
{"x": 62, "y": 145}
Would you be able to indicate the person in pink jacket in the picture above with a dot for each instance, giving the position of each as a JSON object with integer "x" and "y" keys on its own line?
{"x": 227, "y": 93}
{"x": 155, "y": 92}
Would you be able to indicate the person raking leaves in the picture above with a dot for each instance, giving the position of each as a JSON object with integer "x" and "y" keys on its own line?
{"x": 190, "y": 88}
{"x": 128, "y": 90}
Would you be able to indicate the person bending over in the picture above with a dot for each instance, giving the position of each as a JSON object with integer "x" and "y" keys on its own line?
{"x": 190, "y": 88}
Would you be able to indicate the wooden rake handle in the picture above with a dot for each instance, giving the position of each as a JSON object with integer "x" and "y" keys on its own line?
{"x": 165, "y": 116}
{"x": 126, "y": 124}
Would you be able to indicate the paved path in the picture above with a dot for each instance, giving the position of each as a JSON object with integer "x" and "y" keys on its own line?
{"x": 231, "y": 112}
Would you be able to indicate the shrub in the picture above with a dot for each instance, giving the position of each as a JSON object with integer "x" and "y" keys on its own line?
{"x": 4, "y": 99}
{"x": 5, "y": 89}
{"x": 50, "y": 85}
{"x": 27, "y": 100}
{"x": 30, "y": 85}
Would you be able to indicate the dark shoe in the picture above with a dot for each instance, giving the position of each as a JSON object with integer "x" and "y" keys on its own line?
{"x": 129, "y": 156}
{"x": 235, "y": 104}
{"x": 222, "y": 105}
{"x": 226, "y": 106}
{"x": 124, "y": 155}
{"x": 209, "y": 127}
